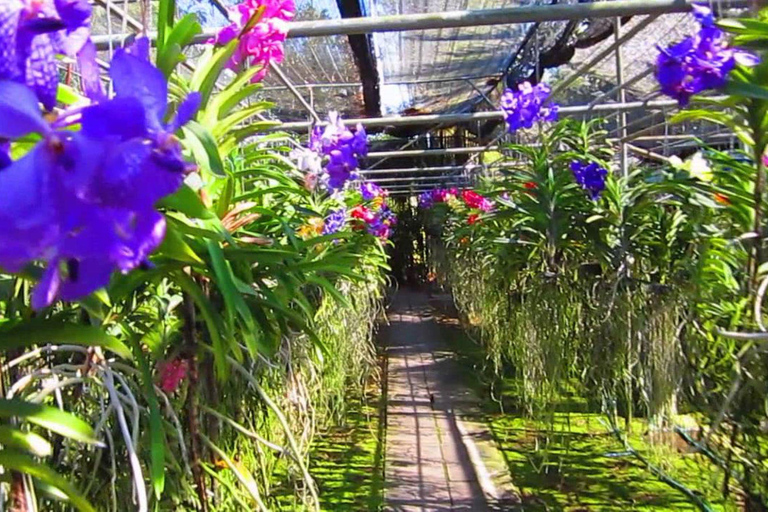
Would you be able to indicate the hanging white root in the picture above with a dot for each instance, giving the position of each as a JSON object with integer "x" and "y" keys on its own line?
{"x": 138, "y": 477}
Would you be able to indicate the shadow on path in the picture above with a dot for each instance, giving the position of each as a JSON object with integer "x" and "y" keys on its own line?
{"x": 432, "y": 457}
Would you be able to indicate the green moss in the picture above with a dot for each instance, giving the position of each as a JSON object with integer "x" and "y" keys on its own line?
{"x": 347, "y": 462}
{"x": 567, "y": 459}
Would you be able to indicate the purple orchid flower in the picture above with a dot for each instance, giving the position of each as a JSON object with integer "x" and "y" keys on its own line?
{"x": 335, "y": 221}
{"x": 699, "y": 62}
{"x": 83, "y": 201}
{"x": 590, "y": 176}
{"x": 370, "y": 190}
{"x": 341, "y": 148}
{"x": 33, "y": 33}
{"x": 522, "y": 108}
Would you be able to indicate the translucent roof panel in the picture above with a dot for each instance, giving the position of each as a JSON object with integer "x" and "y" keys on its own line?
{"x": 440, "y": 70}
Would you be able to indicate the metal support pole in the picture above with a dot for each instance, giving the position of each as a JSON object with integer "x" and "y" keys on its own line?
{"x": 621, "y": 98}
{"x": 281, "y": 76}
{"x": 629, "y": 83}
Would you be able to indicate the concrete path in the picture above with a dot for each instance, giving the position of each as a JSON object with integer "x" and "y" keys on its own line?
{"x": 438, "y": 457}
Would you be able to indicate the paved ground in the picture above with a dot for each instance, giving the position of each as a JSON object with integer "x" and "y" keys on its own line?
{"x": 438, "y": 457}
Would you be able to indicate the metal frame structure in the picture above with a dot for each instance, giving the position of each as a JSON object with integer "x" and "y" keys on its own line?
{"x": 459, "y": 162}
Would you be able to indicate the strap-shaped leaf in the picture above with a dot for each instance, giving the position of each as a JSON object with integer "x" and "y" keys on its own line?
{"x": 17, "y": 461}
{"x": 50, "y": 418}
{"x": 43, "y": 331}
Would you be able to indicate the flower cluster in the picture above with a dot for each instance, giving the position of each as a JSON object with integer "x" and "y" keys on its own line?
{"x": 84, "y": 201}
{"x": 172, "y": 373}
{"x": 377, "y": 221}
{"x": 335, "y": 221}
{"x": 33, "y": 33}
{"x": 522, "y": 108}
{"x": 439, "y": 195}
{"x": 371, "y": 191}
{"x": 699, "y": 62}
{"x": 474, "y": 200}
{"x": 339, "y": 150}
{"x": 590, "y": 176}
{"x": 260, "y": 26}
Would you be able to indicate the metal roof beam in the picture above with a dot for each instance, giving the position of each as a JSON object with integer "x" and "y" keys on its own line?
{"x": 467, "y": 18}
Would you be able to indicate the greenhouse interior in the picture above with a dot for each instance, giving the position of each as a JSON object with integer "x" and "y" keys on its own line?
{"x": 383, "y": 255}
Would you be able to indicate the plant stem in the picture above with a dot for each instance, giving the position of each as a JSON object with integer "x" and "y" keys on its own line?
{"x": 190, "y": 341}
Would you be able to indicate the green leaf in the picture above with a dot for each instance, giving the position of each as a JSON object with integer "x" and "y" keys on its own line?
{"x": 206, "y": 143}
{"x": 42, "y": 331}
{"x": 176, "y": 248}
{"x": 50, "y": 418}
{"x": 209, "y": 67}
{"x": 16, "y": 461}
{"x": 225, "y": 199}
{"x": 67, "y": 95}
{"x": 181, "y": 35}
{"x": 26, "y": 441}
{"x": 746, "y": 90}
{"x": 188, "y": 202}
{"x": 213, "y": 321}
{"x": 233, "y": 299}
{"x": 156, "y": 431}
{"x": 166, "y": 12}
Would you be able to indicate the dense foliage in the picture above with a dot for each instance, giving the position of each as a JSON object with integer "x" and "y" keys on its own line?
{"x": 183, "y": 308}
{"x": 641, "y": 292}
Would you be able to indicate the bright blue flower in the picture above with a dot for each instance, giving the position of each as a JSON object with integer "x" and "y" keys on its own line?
{"x": 335, "y": 221}
{"x": 590, "y": 176}
{"x": 33, "y": 33}
{"x": 83, "y": 201}
{"x": 522, "y": 108}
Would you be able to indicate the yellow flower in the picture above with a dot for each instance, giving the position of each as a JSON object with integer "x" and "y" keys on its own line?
{"x": 452, "y": 201}
{"x": 313, "y": 227}
{"x": 378, "y": 202}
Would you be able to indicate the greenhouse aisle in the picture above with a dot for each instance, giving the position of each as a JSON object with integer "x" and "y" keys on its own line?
{"x": 438, "y": 458}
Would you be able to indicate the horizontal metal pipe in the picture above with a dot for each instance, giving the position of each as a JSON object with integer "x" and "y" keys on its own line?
{"x": 397, "y": 82}
{"x": 417, "y": 170}
{"x": 467, "y": 18}
{"x": 408, "y": 179}
{"x": 481, "y": 116}
{"x": 430, "y": 152}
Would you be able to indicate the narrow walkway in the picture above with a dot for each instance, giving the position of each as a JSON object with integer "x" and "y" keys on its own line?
{"x": 437, "y": 457}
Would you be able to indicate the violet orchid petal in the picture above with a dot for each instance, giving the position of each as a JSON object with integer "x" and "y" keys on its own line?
{"x": 9, "y": 23}
{"x": 91, "y": 275}
{"x": 19, "y": 111}
{"x": 186, "y": 111}
{"x": 48, "y": 288}
{"x": 42, "y": 72}
{"x": 74, "y": 13}
{"x": 136, "y": 78}
{"x": 121, "y": 117}
{"x": 90, "y": 76}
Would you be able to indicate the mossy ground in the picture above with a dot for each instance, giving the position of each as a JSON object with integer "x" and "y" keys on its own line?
{"x": 571, "y": 462}
{"x": 347, "y": 461}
